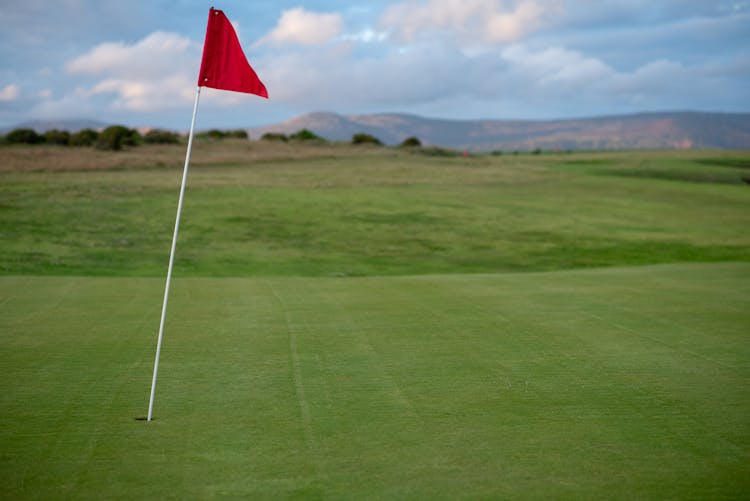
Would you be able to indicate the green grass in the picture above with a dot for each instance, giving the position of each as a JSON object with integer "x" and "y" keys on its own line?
{"x": 626, "y": 383}
{"x": 565, "y": 326}
{"x": 727, "y": 168}
{"x": 377, "y": 214}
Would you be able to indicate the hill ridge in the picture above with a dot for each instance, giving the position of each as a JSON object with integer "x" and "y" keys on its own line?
{"x": 644, "y": 130}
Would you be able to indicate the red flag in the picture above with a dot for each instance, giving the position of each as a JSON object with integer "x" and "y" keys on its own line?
{"x": 224, "y": 65}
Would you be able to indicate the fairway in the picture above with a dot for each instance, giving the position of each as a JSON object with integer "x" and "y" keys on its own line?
{"x": 375, "y": 324}
{"x": 629, "y": 382}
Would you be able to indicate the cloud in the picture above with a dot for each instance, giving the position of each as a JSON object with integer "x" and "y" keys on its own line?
{"x": 525, "y": 80}
{"x": 638, "y": 13}
{"x": 472, "y": 21}
{"x": 10, "y": 92}
{"x": 338, "y": 76}
{"x": 555, "y": 67}
{"x": 459, "y": 58}
{"x": 152, "y": 74}
{"x": 367, "y": 35}
{"x": 569, "y": 82}
{"x": 426, "y": 72}
{"x": 299, "y": 26}
{"x": 149, "y": 57}
{"x": 146, "y": 96}
{"x": 509, "y": 26}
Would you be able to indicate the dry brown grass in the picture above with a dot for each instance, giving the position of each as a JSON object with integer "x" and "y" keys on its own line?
{"x": 205, "y": 152}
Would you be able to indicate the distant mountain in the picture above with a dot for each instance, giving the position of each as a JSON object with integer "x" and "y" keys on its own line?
{"x": 667, "y": 130}
{"x": 72, "y": 125}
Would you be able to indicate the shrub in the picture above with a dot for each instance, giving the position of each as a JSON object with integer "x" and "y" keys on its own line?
{"x": 436, "y": 151}
{"x": 157, "y": 136}
{"x": 24, "y": 136}
{"x": 84, "y": 137}
{"x": 410, "y": 142}
{"x": 56, "y": 136}
{"x": 305, "y": 135}
{"x": 274, "y": 136}
{"x": 216, "y": 134}
{"x": 363, "y": 138}
{"x": 117, "y": 136}
{"x": 238, "y": 133}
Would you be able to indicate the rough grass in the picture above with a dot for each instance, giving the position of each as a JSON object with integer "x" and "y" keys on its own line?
{"x": 206, "y": 151}
{"x": 699, "y": 167}
{"x": 376, "y": 212}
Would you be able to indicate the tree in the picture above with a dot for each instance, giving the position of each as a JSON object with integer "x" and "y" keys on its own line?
{"x": 363, "y": 138}
{"x": 84, "y": 137}
{"x": 274, "y": 136}
{"x": 305, "y": 135}
{"x": 437, "y": 151}
{"x": 117, "y": 136}
{"x": 56, "y": 136}
{"x": 216, "y": 134}
{"x": 24, "y": 136}
{"x": 157, "y": 136}
{"x": 410, "y": 142}
{"x": 238, "y": 133}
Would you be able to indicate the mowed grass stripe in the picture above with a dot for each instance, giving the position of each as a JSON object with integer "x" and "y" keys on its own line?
{"x": 625, "y": 382}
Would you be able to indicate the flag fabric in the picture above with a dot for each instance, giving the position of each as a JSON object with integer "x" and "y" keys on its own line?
{"x": 224, "y": 65}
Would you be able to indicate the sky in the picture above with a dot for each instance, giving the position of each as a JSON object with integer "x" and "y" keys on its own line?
{"x": 136, "y": 62}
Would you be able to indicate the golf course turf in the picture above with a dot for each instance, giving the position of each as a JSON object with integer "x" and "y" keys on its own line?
{"x": 380, "y": 325}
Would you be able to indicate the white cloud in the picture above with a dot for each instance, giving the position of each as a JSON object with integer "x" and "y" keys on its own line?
{"x": 568, "y": 80}
{"x": 145, "y": 95}
{"x": 555, "y": 66}
{"x": 10, "y": 92}
{"x": 472, "y": 21}
{"x": 509, "y": 26}
{"x": 336, "y": 78}
{"x": 154, "y": 55}
{"x": 367, "y": 35}
{"x": 299, "y": 26}
{"x": 152, "y": 74}
{"x": 522, "y": 80}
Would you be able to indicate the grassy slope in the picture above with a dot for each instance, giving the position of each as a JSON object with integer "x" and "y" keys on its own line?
{"x": 627, "y": 382}
{"x": 381, "y": 213}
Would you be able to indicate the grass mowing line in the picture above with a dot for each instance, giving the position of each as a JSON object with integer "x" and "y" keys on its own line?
{"x": 386, "y": 380}
{"x": 299, "y": 386}
{"x": 296, "y": 369}
{"x": 86, "y": 402}
{"x": 656, "y": 341}
{"x": 671, "y": 346}
{"x": 671, "y": 322}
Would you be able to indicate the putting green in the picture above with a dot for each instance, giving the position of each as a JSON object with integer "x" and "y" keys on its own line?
{"x": 620, "y": 382}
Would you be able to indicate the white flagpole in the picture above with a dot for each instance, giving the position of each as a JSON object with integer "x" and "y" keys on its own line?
{"x": 171, "y": 255}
